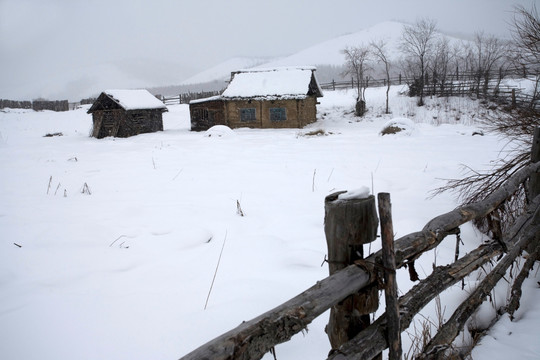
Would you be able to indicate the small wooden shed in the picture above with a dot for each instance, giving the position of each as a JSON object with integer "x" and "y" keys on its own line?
{"x": 124, "y": 113}
{"x": 261, "y": 98}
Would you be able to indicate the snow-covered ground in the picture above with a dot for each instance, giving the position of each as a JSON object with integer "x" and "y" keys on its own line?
{"x": 109, "y": 247}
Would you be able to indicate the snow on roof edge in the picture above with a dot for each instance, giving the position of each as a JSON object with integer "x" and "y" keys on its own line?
{"x": 135, "y": 99}
{"x": 211, "y": 98}
{"x": 277, "y": 68}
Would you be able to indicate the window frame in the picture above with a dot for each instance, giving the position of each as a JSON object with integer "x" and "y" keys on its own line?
{"x": 251, "y": 111}
{"x": 278, "y": 113}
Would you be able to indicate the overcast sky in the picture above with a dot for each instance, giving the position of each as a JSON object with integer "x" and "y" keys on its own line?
{"x": 63, "y": 48}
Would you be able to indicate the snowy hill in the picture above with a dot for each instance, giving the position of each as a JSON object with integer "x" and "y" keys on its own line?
{"x": 329, "y": 52}
{"x": 223, "y": 70}
{"x": 326, "y": 56}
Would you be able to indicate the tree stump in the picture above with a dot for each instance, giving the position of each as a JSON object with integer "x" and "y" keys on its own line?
{"x": 350, "y": 222}
{"x": 360, "y": 108}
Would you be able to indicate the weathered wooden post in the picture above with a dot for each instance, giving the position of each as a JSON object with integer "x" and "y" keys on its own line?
{"x": 390, "y": 283}
{"x": 350, "y": 221}
{"x": 534, "y": 180}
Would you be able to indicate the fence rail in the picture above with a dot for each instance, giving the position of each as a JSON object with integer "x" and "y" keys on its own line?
{"x": 455, "y": 84}
{"x": 254, "y": 338}
{"x": 37, "y": 105}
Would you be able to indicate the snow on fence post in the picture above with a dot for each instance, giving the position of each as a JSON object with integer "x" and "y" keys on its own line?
{"x": 350, "y": 221}
{"x": 534, "y": 180}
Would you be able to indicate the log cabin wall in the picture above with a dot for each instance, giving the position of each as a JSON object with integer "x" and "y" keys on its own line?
{"x": 206, "y": 114}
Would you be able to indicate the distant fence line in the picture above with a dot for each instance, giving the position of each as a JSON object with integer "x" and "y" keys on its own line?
{"x": 37, "y": 105}
{"x": 185, "y": 98}
{"x": 457, "y": 83}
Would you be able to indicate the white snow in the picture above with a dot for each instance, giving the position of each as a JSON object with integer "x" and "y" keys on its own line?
{"x": 219, "y": 131}
{"x": 135, "y": 99}
{"x": 360, "y": 193}
{"x": 283, "y": 82}
{"x": 405, "y": 125}
{"x": 119, "y": 238}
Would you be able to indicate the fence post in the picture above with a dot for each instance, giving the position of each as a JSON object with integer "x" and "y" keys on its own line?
{"x": 534, "y": 180}
{"x": 399, "y": 78}
{"x": 352, "y": 83}
{"x": 390, "y": 284}
{"x": 350, "y": 222}
{"x": 333, "y": 85}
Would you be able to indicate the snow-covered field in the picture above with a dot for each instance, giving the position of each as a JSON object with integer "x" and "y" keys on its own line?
{"x": 109, "y": 247}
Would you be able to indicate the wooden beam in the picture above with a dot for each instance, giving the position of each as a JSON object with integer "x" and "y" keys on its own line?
{"x": 252, "y": 339}
{"x": 390, "y": 283}
{"x": 534, "y": 181}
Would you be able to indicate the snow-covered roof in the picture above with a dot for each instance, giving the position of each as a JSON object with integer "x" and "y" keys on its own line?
{"x": 286, "y": 82}
{"x": 135, "y": 99}
{"x": 211, "y": 98}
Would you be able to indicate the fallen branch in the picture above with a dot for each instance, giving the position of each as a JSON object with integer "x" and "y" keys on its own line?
{"x": 513, "y": 304}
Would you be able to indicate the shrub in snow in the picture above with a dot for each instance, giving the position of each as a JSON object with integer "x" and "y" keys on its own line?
{"x": 317, "y": 132}
{"x": 397, "y": 125}
{"x": 219, "y": 131}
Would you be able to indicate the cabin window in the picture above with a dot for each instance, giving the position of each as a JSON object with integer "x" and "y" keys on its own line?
{"x": 278, "y": 114}
{"x": 247, "y": 114}
{"x": 202, "y": 114}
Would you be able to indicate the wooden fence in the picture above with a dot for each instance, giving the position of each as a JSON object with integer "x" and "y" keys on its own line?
{"x": 252, "y": 339}
{"x": 37, "y": 105}
{"x": 457, "y": 84}
{"x": 187, "y": 97}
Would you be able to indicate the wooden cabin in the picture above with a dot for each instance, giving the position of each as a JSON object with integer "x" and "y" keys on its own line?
{"x": 266, "y": 98}
{"x": 124, "y": 113}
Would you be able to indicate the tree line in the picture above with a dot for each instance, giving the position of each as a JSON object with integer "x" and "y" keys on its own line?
{"x": 37, "y": 105}
{"x": 431, "y": 62}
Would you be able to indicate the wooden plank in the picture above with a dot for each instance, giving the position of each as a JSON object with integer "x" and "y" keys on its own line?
{"x": 390, "y": 289}
{"x": 534, "y": 181}
{"x": 252, "y": 339}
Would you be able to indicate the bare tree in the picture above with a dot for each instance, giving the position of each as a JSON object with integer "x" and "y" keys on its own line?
{"x": 440, "y": 65}
{"x": 417, "y": 43}
{"x": 526, "y": 36}
{"x": 489, "y": 53}
{"x": 357, "y": 65}
{"x": 457, "y": 52}
{"x": 381, "y": 53}
{"x": 516, "y": 128}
